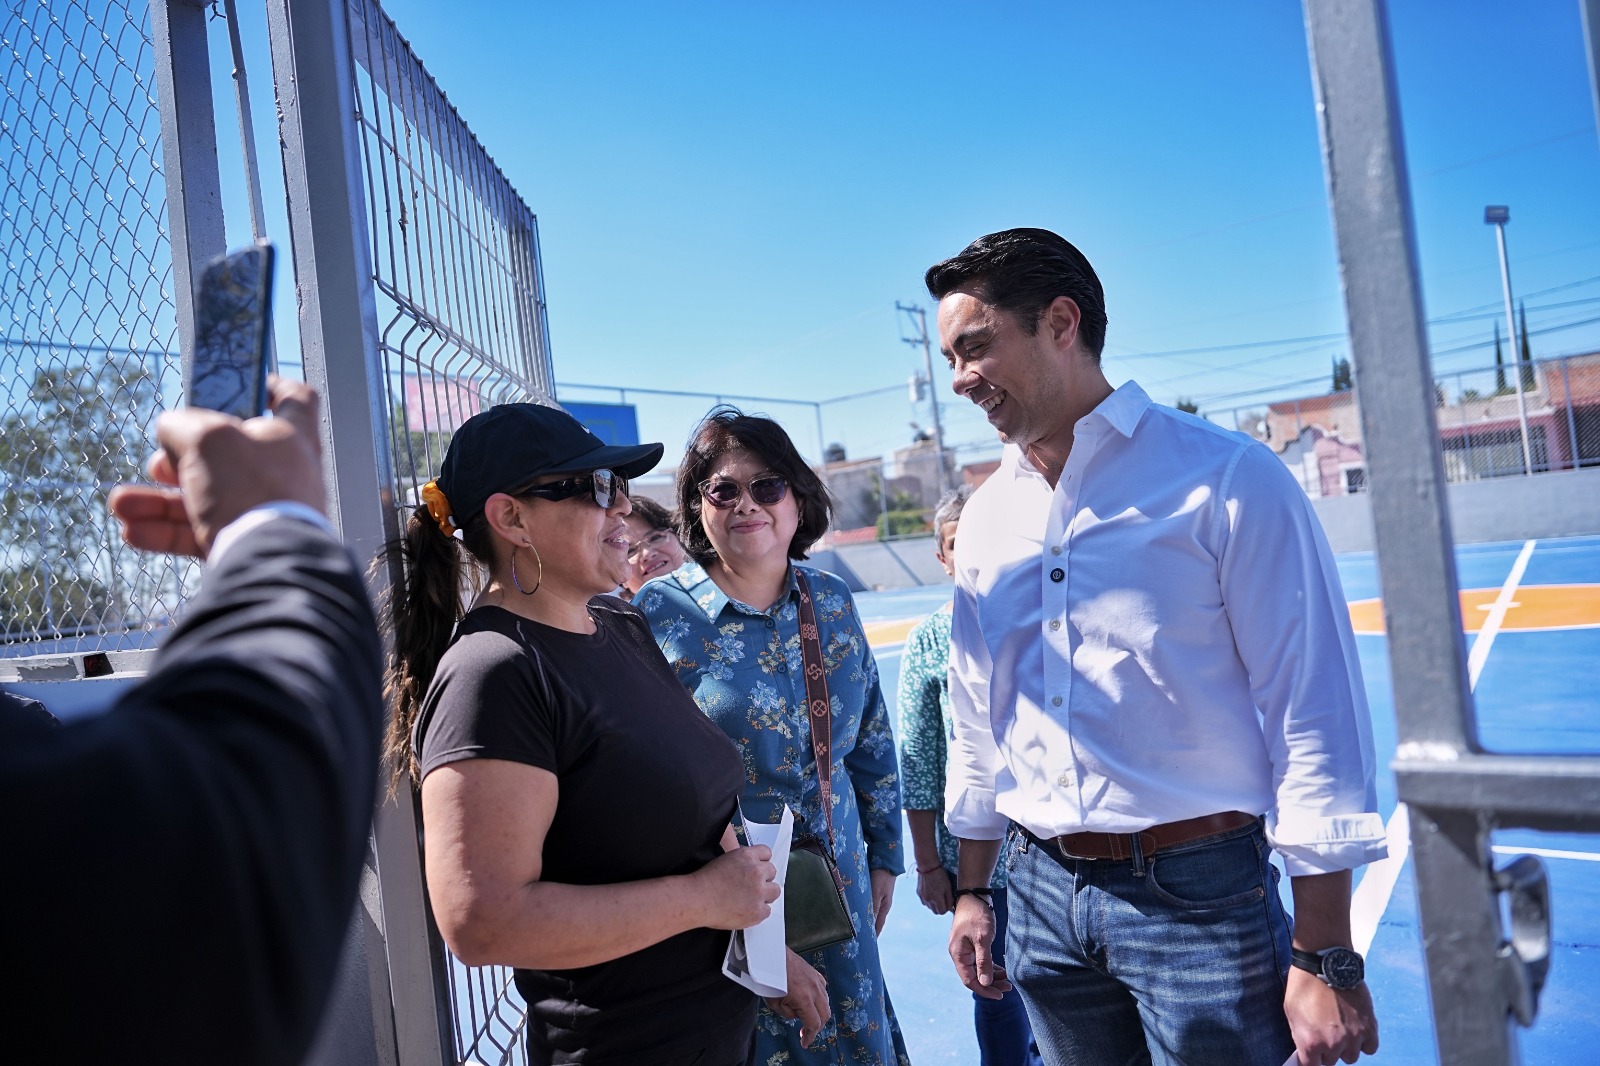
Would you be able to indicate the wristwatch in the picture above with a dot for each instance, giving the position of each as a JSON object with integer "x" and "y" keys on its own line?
{"x": 1340, "y": 969}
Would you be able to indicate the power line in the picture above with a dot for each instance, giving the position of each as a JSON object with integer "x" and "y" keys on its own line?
{"x": 1464, "y": 315}
{"x": 1212, "y": 400}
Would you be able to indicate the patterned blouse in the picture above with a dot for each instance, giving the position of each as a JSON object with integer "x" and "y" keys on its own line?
{"x": 743, "y": 666}
{"x": 926, "y": 728}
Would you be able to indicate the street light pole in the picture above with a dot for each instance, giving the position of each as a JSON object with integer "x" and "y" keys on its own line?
{"x": 1497, "y": 216}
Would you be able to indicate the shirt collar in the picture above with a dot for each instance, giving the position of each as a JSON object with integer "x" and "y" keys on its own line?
{"x": 1122, "y": 411}
{"x": 710, "y": 598}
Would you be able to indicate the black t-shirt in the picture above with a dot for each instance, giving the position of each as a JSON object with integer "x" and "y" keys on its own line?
{"x": 648, "y": 784}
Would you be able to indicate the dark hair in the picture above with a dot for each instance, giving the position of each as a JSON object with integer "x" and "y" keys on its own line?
{"x": 655, "y": 516}
{"x": 728, "y": 429}
{"x": 1023, "y": 271}
{"x": 420, "y": 611}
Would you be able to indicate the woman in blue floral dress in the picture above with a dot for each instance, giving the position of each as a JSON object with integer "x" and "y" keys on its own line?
{"x": 728, "y": 622}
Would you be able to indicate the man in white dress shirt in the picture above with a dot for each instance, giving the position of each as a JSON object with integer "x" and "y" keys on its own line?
{"x": 1155, "y": 685}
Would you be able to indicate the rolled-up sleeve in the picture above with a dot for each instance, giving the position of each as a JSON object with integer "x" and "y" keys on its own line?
{"x": 974, "y": 760}
{"x": 1292, "y": 630}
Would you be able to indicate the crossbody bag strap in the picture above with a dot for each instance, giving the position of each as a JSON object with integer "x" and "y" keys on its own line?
{"x": 817, "y": 704}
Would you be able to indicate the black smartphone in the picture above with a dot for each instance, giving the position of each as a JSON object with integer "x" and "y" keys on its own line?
{"x": 233, "y": 333}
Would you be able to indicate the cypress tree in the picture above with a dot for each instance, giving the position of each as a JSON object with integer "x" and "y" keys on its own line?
{"x": 1526, "y": 357}
{"x": 1499, "y": 362}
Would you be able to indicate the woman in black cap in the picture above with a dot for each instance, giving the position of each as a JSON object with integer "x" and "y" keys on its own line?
{"x": 575, "y": 802}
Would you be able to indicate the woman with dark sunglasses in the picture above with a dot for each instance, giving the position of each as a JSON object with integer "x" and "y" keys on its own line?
{"x": 576, "y": 805}
{"x": 653, "y": 546}
{"x": 729, "y": 623}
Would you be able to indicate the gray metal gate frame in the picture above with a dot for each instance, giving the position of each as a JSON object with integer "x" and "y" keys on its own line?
{"x": 1479, "y": 980}
{"x": 392, "y": 1005}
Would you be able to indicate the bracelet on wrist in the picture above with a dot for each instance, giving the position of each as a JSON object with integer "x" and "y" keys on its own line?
{"x": 982, "y": 893}
{"x": 929, "y": 869}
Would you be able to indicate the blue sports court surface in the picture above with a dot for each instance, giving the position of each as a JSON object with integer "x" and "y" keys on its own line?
{"x": 1535, "y": 669}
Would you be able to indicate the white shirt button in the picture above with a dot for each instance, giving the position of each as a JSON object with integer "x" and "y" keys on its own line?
{"x": 1055, "y": 549}
{"x": 1055, "y": 701}
{"x": 1065, "y": 780}
{"x": 1055, "y": 623}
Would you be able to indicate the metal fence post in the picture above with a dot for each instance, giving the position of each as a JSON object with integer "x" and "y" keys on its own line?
{"x": 314, "y": 79}
{"x": 1368, "y": 189}
{"x": 189, "y": 152}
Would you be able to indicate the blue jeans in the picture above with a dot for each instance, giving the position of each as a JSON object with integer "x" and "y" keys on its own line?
{"x": 1175, "y": 960}
{"x": 1004, "y": 1037}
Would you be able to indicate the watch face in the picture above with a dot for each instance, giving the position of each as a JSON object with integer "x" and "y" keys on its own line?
{"x": 1342, "y": 968}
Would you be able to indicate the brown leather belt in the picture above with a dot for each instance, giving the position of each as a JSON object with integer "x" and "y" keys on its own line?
{"x": 1152, "y": 840}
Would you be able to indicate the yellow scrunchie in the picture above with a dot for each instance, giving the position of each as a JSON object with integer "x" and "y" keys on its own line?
{"x": 439, "y": 508}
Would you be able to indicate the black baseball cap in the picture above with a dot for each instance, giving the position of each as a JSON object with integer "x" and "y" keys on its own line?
{"x": 510, "y": 444}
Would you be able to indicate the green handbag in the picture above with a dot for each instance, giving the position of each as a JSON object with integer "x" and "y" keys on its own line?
{"x": 814, "y": 910}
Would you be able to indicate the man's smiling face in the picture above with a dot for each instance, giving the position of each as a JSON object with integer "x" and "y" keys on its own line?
{"x": 1020, "y": 380}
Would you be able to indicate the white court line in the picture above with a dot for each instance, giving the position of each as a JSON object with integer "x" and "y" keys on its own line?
{"x": 1548, "y": 853}
{"x": 1371, "y": 897}
{"x": 1497, "y": 615}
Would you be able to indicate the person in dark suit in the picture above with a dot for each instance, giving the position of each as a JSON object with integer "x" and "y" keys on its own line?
{"x": 179, "y": 872}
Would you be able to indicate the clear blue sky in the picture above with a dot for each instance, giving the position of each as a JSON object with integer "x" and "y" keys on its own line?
{"x": 732, "y": 197}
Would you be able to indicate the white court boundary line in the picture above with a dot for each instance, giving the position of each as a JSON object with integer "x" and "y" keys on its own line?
{"x": 1548, "y": 853}
{"x": 1371, "y": 897}
{"x": 1497, "y": 616}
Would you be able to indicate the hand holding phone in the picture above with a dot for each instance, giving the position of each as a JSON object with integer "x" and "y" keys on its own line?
{"x": 211, "y": 469}
{"x": 233, "y": 333}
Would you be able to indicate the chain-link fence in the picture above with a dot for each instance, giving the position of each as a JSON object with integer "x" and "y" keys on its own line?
{"x": 88, "y": 353}
{"x": 1488, "y": 425}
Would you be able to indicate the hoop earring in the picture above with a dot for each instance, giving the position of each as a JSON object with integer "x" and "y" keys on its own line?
{"x": 517, "y": 583}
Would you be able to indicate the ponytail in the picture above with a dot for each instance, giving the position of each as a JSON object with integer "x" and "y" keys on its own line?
{"x": 422, "y": 604}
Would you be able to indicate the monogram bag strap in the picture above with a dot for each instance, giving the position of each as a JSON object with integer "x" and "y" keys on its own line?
{"x": 820, "y": 710}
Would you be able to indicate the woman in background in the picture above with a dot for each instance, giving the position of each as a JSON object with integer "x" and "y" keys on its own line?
{"x": 530, "y": 721}
{"x": 1004, "y": 1038}
{"x": 729, "y": 624}
{"x": 653, "y": 546}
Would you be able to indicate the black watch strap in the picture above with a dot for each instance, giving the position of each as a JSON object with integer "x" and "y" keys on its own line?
{"x": 1339, "y": 968}
{"x": 982, "y": 893}
{"x": 1309, "y": 961}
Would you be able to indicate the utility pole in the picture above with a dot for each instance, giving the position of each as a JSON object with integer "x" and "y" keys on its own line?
{"x": 918, "y": 319}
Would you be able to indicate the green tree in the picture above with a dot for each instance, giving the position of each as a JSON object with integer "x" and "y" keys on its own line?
{"x": 1500, "y": 386}
{"x": 1186, "y": 404}
{"x": 1525, "y": 357}
{"x": 902, "y": 523}
{"x": 81, "y": 431}
{"x": 1342, "y": 381}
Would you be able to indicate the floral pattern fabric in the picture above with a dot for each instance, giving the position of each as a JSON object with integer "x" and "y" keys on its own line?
{"x": 926, "y": 729}
{"x": 743, "y": 667}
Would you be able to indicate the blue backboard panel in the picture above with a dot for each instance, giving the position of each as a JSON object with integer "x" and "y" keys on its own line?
{"x": 614, "y": 423}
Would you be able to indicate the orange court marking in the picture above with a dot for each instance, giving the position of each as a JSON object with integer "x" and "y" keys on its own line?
{"x": 1532, "y": 607}
{"x": 882, "y": 634}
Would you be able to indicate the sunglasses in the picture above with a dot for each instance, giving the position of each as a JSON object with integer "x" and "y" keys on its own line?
{"x": 764, "y": 489}
{"x": 603, "y": 485}
{"x": 636, "y": 549}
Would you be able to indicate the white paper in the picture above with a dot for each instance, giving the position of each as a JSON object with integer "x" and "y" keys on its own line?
{"x": 757, "y": 957}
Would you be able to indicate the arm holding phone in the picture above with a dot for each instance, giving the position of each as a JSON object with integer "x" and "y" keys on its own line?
{"x": 197, "y": 847}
